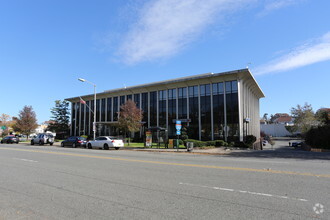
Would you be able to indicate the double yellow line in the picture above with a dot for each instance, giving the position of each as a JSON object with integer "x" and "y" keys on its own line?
{"x": 172, "y": 164}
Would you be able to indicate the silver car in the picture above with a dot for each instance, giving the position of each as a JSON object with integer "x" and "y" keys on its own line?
{"x": 43, "y": 138}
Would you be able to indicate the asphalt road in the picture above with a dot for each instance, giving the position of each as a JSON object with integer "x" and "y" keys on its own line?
{"x": 44, "y": 182}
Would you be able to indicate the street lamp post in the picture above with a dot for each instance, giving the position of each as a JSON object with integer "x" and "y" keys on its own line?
{"x": 94, "y": 123}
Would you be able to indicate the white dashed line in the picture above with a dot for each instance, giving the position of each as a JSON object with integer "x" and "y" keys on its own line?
{"x": 242, "y": 191}
{"x": 32, "y": 161}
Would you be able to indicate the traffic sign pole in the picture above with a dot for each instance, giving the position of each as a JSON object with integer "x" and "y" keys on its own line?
{"x": 178, "y": 127}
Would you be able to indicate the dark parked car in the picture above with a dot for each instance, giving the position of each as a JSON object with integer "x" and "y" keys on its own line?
{"x": 296, "y": 144}
{"x": 74, "y": 141}
{"x": 10, "y": 140}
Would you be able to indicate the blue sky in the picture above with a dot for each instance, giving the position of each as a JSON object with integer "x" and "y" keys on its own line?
{"x": 46, "y": 45}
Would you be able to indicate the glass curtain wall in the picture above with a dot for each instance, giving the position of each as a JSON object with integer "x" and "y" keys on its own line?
{"x": 102, "y": 109}
{"x": 129, "y": 97}
{"x": 218, "y": 111}
{"x": 153, "y": 109}
{"x": 78, "y": 117}
{"x": 109, "y": 109}
{"x": 87, "y": 128}
{"x": 115, "y": 109}
{"x": 92, "y": 117}
{"x": 122, "y": 100}
{"x": 182, "y": 103}
{"x": 193, "y": 130}
{"x": 97, "y": 110}
{"x": 82, "y": 119}
{"x": 232, "y": 110}
{"x": 171, "y": 112}
{"x": 162, "y": 108}
{"x": 144, "y": 107}
{"x": 137, "y": 100}
{"x": 205, "y": 106}
{"x": 73, "y": 118}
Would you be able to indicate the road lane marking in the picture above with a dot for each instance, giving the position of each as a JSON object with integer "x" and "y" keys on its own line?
{"x": 27, "y": 160}
{"x": 170, "y": 163}
{"x": 243, "y": 192}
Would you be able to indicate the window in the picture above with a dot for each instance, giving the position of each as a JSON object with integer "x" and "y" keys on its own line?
{"x": 193, "y": 131}
{"x": 205, "y": 107}
{"x": 232, "y": 110}
{"x": 162, "y": 108}
{"x": 109, "y": 109}
{"x": 182, "y": 103}
{"x": 171, "y": 112}
{"x": 218, "y": 111}
{"x": 153, "y": 109}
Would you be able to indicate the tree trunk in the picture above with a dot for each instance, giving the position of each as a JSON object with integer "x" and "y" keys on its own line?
{"x": 129, "y": 137}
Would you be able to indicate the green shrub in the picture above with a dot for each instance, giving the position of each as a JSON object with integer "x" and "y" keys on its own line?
{"x": 241, "y": 145}
{"x": 220, "y": 143}
{"x": 249, "y": 140}
{"x": 210, "y": 143}
{"x": 197, "y": 143}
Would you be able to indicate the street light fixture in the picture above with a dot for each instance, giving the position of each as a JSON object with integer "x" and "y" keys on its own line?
{"x": 94, "y": 123}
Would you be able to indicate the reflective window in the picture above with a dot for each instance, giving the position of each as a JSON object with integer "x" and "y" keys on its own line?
{"x": 137, "y": 100}
{"x": 193, "y": 129}
{"x": 171, "y": 95}
{"x": 144, "y": 107}
{"x": 153, "y": 109}
{"x": 122, "y": 100}
{"x": 205, "y": 107}
{"x": 102, "y": 109}
{"x": 182, "y": 103}
{"x": 115, "y": 109}
{"x": 232, "y": 110}
{"x": 162, "y": 108}
{"x": 87, "y": 128}
{"x": 218, "y": 111}
{"x": 109, "y": 109}
{"x": 97, "y": 109}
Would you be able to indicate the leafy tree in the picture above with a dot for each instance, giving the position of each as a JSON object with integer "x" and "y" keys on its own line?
{"x": 323, "y": 116}
{"x": 26, "y": 122}
{"x": 304, "y": 118}
{"x": 130, "y": 117}
{"x": 60, "y": 118}
{"x": 5, "y": 121}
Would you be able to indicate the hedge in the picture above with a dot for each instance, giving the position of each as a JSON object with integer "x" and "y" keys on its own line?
{"x": 319, "y": 137}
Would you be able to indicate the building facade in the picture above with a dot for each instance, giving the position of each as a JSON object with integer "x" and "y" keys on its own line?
{"x": 221, "y": 106}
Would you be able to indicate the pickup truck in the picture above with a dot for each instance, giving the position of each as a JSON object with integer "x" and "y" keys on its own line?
{"x": 105, "y": 142}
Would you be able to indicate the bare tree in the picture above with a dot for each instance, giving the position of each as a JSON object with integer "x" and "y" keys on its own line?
{"x": 26, "y": 122}
{"x": 130, "y": 117}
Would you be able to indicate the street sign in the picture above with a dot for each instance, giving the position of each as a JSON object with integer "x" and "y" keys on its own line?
{"x": 178, "y": 132}
{"x": 184, "y": 120}
{"x": 178, "y": 125}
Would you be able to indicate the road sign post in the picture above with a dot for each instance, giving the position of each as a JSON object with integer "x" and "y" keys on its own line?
{"x": 178, "y": 127}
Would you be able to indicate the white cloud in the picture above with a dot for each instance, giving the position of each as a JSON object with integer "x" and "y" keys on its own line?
{"x": 273, "y": 5}
{"x": 165, "y": 27}
{"x": 316, "y": 51}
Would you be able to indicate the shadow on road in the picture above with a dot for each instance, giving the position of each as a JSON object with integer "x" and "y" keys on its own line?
{"x": 281, "y": 149}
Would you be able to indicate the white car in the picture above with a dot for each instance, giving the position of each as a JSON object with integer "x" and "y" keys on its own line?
{"x": 105, "y": 142}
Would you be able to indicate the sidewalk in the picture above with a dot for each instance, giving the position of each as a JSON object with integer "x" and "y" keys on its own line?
{"x": 211, "y": 151}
